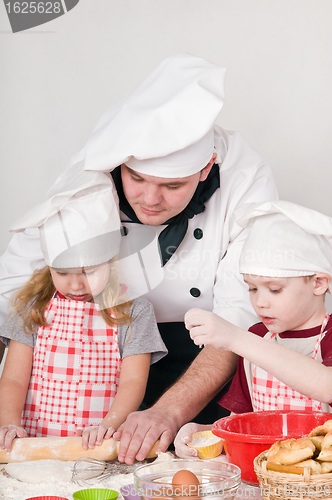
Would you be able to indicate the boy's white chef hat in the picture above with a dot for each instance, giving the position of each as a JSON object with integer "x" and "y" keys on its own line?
{"x": 79, "y": 222}
{"x": 165, "y": 126}
{"x": 285, "y": 240}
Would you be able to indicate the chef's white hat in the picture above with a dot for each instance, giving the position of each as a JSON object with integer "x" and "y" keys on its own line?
{"x": 79, "y": 226}
{"x": 285, "y": 240}
{"x": 164, "y": 126}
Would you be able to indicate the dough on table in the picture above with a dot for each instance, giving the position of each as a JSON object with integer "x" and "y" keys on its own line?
{"x": 39, "y": 471}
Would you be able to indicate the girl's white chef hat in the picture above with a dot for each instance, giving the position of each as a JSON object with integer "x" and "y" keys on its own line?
{"x": 78, "y": 221}
{"x": 285, "y": 240}
{"x": 165, "y": 126}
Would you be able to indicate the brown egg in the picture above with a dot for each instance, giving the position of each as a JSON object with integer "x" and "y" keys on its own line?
{"x": 185, "y": 484}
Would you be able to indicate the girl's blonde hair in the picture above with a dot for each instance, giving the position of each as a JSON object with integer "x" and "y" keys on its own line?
{"x": 31, "y": 301}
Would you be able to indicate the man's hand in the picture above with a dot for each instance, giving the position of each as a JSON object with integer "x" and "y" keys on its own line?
{"x": 207, "y": 374}
{"x": 140, "y": 432}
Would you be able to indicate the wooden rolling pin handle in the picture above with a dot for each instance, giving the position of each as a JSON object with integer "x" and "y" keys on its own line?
{"x": 289, "y": 469}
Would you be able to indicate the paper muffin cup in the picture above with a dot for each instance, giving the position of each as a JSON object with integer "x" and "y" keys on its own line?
{"x": 206, "y": 443}
{"x": 47, "y": 497}
{"x": 95, "y": 494}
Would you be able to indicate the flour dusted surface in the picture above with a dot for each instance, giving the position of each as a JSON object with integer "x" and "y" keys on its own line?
{"x": 13, "y": 489}
{"x": 32, "y": 472}
{"x": 54, "y": 479}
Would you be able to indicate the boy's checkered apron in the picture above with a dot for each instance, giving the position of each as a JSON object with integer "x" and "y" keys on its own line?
{"x": 269, "y": 393}
{"x": 76, "y": 369}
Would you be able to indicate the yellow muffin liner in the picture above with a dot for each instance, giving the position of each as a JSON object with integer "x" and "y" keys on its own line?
{"x": 205, "y": 451}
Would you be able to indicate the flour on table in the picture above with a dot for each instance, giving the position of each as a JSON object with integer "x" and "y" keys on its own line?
{"x": 32, "y": 472}
{"x": 164, "y": 457}
{"x": 14, "y": 489}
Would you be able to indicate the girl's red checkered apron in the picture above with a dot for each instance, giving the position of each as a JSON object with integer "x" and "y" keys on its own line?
{"x": 76, "y": 370}
{"x": 269, "y": 393}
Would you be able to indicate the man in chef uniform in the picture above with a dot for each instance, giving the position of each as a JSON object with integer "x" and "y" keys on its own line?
{"x": 181, "y": 176}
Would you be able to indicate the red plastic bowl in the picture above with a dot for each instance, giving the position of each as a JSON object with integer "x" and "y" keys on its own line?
{"x": 246, "y": 435}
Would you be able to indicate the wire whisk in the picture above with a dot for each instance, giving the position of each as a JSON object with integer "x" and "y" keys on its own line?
{"x": 90, "y": 470}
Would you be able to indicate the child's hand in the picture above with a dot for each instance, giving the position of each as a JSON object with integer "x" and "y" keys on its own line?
{"x": 94, "y": 435}
{"x": 8, "y": 433}
{"x": 183, "y": 437}
{"x": 207, "y": 328}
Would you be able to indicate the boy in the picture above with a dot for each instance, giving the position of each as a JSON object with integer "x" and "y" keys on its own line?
{"x": 287, "y": 263}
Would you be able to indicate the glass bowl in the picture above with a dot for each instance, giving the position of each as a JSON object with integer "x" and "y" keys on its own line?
{"x": 216, "y": 480}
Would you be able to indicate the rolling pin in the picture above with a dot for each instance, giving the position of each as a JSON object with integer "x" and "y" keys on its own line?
{"x": 289, "y": 469}
{"x": 61, "y": 448}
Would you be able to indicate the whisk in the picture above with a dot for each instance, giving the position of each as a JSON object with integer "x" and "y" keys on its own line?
{"x": 90, "y": 470}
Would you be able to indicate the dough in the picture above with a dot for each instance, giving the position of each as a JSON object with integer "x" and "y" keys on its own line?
{"x": 38, "y": 471}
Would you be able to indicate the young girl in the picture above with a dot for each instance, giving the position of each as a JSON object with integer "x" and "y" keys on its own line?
{"x": 79, "y": 352}
{"x": 285, "y": 361}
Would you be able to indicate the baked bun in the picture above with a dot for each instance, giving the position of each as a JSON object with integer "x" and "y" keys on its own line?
{"x": 326, "y": 448}
{"x": 321, "y": 430}
{"x": 314, "y": 466}
{"x": 291, "y": 451}
{"x": 325, "y": 455}
{"x": 326, "y": 467}
{"x": 317, "y": 440}
{"x": 293, "y": 454}
{"x": 327, "y": 441}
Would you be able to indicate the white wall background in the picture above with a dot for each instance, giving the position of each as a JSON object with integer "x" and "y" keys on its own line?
{"x": 58, "y": 78}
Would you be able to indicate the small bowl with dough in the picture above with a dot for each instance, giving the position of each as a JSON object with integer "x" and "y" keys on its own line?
{"x": 96, "y": 494}
{"x": 207, "y": 444}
